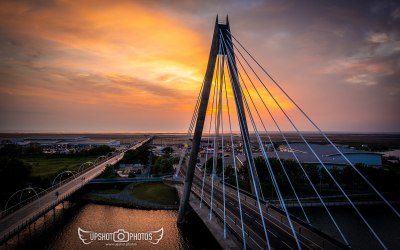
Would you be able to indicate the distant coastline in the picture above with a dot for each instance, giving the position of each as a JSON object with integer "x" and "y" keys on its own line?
{"x": 5, "y": 132}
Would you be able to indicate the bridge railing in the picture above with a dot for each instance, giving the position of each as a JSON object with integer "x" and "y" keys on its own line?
{"x": 34, "y": 217}
{"x": 26, "y": 201}
{"x": 302, "y": 228}
{"x": 232, "y": 223}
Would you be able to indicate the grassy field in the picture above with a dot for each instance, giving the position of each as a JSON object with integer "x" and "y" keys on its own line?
{"x": 108, "y": 191}
{"x": 42, "y": 166}
{"x": 155, "y": 192}
{"x": 113, "y": 188}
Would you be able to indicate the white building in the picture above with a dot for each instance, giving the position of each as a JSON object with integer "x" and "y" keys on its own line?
{"x": 329, "y": 155}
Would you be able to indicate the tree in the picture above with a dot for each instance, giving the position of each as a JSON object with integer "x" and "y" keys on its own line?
{"x": 10, "y": 150}
{"x": 243, "y": 171}
{"x": 313, "y": 172}
{"x": 163, "y": 165}
{"x": 336, "y": 173}
{"x": 218, "y": 167}
{"x": 33, "y": 149}
{"x": 14, "y": 174}
{"x": 326, "y": 178}
{"x": 349, "y": 177}
{"x": 262, "y": 170}
{"x": 293, "y": 170}
{"x": 139, "y": 155}
{"x": 108, "y": 172}
{"x": 168, "y": 150}
{"x": 229, "y": 171}
{"x": 97, "y": 151}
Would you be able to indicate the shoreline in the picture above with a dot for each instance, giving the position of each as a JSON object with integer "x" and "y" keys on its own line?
{"x": 137, "y": 204}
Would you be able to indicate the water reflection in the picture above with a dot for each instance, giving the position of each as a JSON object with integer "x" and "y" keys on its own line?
{"x": 109, "y": 219}
{"x": 62, "y": 232}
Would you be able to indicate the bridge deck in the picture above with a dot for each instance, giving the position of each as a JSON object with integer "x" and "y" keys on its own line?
{"x": 280, "y": 234}
{"x": 14, "y": 222}
{"x": 215, "y": 229}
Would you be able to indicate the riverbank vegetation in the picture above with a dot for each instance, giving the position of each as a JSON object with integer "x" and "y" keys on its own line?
{"x": 155, "y": 192}
{"x": 154, "y": 195}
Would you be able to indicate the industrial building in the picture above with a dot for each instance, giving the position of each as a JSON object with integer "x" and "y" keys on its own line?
{"x": 329, "y": 155}
{"x": 326, "y": 153}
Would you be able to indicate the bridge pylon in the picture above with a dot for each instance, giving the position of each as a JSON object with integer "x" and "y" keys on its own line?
{"x": 224, "y": 30}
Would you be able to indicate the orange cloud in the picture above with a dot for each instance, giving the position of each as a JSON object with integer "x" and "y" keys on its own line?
{"x": 96, "y": 51}
{"x": 136, "y": 60}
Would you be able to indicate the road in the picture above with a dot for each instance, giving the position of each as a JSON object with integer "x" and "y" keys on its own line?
{"x": 17, "y": 220}
{"x": 279, "y": 234}
{"x": 279, "y": 239}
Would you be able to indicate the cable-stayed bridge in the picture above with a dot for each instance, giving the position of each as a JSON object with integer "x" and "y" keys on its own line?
{"x": 238, "y": 93}
{"x": 244, "y": 98}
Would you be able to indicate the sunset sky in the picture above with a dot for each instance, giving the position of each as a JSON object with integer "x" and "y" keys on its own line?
{"x": 137, "y": 66}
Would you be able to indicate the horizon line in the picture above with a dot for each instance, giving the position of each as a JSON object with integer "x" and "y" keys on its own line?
{"x": 173, "y": 132}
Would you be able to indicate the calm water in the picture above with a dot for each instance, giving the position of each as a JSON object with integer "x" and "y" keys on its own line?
{"x": 382, "y": 220}
{"x": 62, "y": 232}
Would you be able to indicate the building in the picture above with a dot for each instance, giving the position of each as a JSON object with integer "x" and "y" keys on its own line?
{"x": 209, "y": 152}
{"x": 328, "y": 155}
{"x": 131, "y": 168}
{"x": 82, "y": 141}
{"x": 62, "y": 145}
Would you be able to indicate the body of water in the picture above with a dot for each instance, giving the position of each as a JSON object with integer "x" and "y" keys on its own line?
{"x": 61, "y": 231}
{"x": 59, "y": 228}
